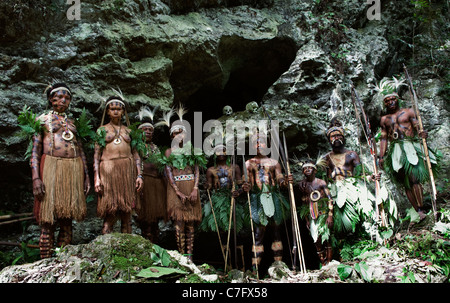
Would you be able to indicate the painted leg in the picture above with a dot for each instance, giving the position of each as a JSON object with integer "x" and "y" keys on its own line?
{"x": 46, "y": 240}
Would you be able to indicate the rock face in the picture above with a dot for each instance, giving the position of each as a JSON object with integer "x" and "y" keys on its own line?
{"x": 208, "y": 54}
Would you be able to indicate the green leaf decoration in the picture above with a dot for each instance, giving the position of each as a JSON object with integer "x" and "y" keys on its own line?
{"x": 30, "y": 125}
{"x": 410, "y": 152}
{"x": 267, "y": 201}
{"x": 396, "y": 157}
{"x": 138, "y": 139}
{"x": 100, "y": 137}
{"x": 84, "y": 127}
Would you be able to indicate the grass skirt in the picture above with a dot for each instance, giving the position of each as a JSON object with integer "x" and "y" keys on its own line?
{"x": 119, "y": 187}
{"x": 405, "y": 158}
{"x": 189, "y": 211}
{"x": 221, "y": 201}
{"x": 153, "y": 206}
{"x": 64, "y": 197}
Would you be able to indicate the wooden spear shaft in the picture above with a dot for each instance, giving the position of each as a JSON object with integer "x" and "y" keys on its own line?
{"x": 217, "y": 227}
{"x": 298, "y": 237}
{"x": 379, "y": 209}
{"x": 424, "y": 141}
{"x": 251, "y": 218}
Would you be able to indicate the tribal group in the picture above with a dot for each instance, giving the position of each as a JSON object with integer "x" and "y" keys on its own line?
{"x": 132, "y": 177}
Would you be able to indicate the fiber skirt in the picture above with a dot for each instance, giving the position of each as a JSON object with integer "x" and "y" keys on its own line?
{"x": 118, "y": 178}
{"x": 189, "y": 211}
{"x": 64, "y": 197}
{"x": 153, "y": 204}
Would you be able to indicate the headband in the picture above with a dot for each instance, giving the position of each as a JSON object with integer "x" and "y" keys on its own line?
{"x": 335, "y": 129}
{"x": 145, "y": 125}
{"x": 309, "y": 165}
{"x": 114, "y": 100}
{"x": 391, "y": 95}
{"x": 221, "y": 146}
{"x": 177, "y": 127}
{"x": 60, "y": 88}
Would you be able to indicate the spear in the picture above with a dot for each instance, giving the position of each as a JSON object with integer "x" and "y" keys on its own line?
{"x": 232, "y": 216}
{"x": 217, "y": 227}
{"x": 373, "y": 152}
{"x": 250, "y": 212}
{"x": 283, "y": 154}
{"x": 424, "y": 141}
{"x": 297, "y": 238}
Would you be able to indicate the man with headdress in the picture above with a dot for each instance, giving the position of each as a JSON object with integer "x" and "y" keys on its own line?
{"x": 318, "y": 203}
{"x": 153, "y": 206}
{"x": 403, "y": 159}
{"x": 59, "y": 172}
{"x": 117, "y": 169}
{"x": 344, "y": 168}
{"x": 182, "y": 173}
{"x": 268, "y": 205}
{"x": 340, "y": 161}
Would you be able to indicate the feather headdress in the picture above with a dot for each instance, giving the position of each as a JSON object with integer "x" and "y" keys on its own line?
{"x": 165, "y": 119}
{"x": 146, "y": 113}
{"x": 335, "y": 126}
{"x": 180, "y": 111}
{"x": 320, "y": 162}
{"x": 104, "y": 102}
{"x": 389, "y": 87}
{"x": 54, "y": 87}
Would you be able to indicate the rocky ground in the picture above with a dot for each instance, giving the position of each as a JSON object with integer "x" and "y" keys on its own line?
{"x": 410, "y": 256}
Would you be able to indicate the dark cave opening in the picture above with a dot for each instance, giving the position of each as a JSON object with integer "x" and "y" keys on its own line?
{"x": 245, "y": 71}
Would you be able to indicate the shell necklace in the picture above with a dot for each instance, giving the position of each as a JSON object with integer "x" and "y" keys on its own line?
{"x": 67, "y": 133}
{"x": 117, "y": 139}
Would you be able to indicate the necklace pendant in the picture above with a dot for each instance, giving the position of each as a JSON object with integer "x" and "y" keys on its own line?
{"x": 67, "y": 135}
{"x": 117, "y": 141}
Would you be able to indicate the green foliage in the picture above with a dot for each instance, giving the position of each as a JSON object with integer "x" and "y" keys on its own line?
{"x": 85, "y": 130}
{"x": 280, "y": 203}
{"x": 420, "y": 170}
{"x": 161, "y": 257}
{"x": 138, "y": 139}
{"x": 25, "y": 255}
{"x": 221, "y": 201}
{"x": 158, "y": 271}
{"x": 344, "y": 271}
{"x": 353, "y": 250}
{"x": 179, "y": 158}
{"x": 100, "y": 137}
{"x": 408, "y": 276}
{"x": 429, "y": 247}
{"x": 30, "y": 126}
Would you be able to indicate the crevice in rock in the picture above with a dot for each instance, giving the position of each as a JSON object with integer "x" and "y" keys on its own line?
{"x": 242, "y": 72}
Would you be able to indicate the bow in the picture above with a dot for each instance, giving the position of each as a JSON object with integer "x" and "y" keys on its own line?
{"x": 424, "y": 141}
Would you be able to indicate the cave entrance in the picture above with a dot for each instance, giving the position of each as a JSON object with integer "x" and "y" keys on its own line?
{"x": 242, "y": 71}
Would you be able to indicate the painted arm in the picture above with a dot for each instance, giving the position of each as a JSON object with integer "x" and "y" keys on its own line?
{"x": 140, "y": 178}
{"x": 87, "y": 181}
{"x": 194, "y": 194}
{"x": 98, "y": 186}
{"x": 383, "y": 143}
{"x": 35, "y": 162}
